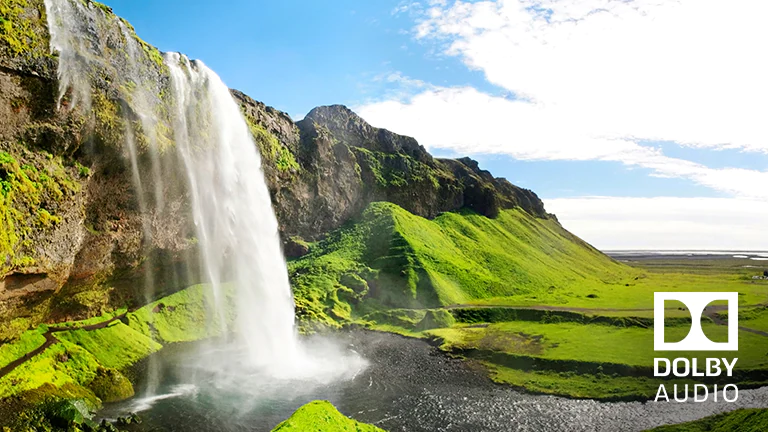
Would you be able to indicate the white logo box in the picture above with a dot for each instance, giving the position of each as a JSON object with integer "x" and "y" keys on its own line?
{"x": 696, "y": 340}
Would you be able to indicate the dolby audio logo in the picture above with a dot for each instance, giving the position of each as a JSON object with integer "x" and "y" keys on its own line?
{"x": 696, "y": 341}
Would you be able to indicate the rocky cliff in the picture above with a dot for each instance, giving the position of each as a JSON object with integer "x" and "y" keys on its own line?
{"x": 74, "y": 240}
{"x": 329, "y": 166}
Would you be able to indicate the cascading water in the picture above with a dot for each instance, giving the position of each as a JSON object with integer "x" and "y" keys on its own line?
{"x": 236, "y": 226}
{"x": 182, "y": 126}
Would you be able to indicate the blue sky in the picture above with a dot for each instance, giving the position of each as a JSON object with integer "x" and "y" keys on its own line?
{"x": 295, "y": 55}
{"x": 607, "y": 108}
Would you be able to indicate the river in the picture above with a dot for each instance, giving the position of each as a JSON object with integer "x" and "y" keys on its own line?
{"x": 408, "y": 385}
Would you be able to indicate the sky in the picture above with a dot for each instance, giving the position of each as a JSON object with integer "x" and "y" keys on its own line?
{"x": 640, "y": 123}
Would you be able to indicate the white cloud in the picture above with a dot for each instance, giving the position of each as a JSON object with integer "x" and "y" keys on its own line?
{"x": 467, "y": 121}
{"x": 594, "y": 77}
{"x": 665, "y": 222}
{"x": 690, "y": 71}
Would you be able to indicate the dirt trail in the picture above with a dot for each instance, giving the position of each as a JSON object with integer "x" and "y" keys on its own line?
{"x": 50, "y": 339}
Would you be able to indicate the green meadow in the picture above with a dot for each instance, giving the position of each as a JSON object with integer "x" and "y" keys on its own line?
{"x": 541, "y": 309}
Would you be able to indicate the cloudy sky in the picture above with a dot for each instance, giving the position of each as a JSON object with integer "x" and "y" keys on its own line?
{"x": 640, "y": 123}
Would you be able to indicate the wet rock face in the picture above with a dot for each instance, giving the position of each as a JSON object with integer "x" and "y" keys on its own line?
{"x": 70, "y": 222}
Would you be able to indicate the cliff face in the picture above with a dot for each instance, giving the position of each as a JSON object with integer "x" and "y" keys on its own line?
{"x": 339, "y": 164}
{"x": 73, "y": 241}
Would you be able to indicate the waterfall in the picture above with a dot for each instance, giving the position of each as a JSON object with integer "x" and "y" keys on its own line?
{"x": 232, "y": 210}
{"x": 185, "y": 140}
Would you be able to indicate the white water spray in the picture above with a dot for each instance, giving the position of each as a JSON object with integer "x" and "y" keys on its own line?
{"x": 236, "y": 228}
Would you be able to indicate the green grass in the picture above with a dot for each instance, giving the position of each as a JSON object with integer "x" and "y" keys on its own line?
{"x": 182, "y": 317}
{"x": 631, "y": 346}
{"x": 756, "y": 318}
{"x": 411, "y": 262}
{"x": 571, "y": 384}
{"x": 82, "y": 356}
{"x": 639, "y": 293}
{"x": 389, "y": 269}
{"x": 744, "y": 420}
{"x": 117, "y": 346}
{"x": 28, "y": 342}
{"x": 322, "y": 416}
{"x": 601, "y": 361}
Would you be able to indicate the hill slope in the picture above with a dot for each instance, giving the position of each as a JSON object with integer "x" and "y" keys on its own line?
{"x": 390, "y": 258}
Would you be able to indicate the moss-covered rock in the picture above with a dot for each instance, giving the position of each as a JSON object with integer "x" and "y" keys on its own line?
{"x": 322, "y": 416}
{"x": 436, "y": 318}
{"x": 110, "y": 385}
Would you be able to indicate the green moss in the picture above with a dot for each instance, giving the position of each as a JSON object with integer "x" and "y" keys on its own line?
{"x": 116, "y": 346}
{"x": 29, "y": 187}
{"x": 183, "y": 316}
{"x": 91, "y": 360}
{"x": 322, "y": 416}
{"x": 59, "y": 365}
{"x": 46, "y": 219}
{"x": 153, "y": 54}
{"x": 110, "y": 126}
{"x": 272, "y": 151}
{"x": 404, "y": 318}
{"x": 438, "y": 318}
{"x": 28, "y": 342}
{"x": 110, "y": 385}
{"x": 107, "y": 10}
{"x": 743, "y": 420}
{"x": 84, "y": 171}
{"x": 22, "y": 26}
{"x": 398, "y": 170}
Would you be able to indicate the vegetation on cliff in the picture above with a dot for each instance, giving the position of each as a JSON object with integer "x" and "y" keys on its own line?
{"x": 33, "y": 188}
{"x": 19, "y": 26}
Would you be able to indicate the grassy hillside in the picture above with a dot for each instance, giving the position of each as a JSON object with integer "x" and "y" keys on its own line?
{"x": 541, "y": 309}
{"x": 390, "y": 258}
{"x": 321, "y": 416}
{"x": 88, "y": 363}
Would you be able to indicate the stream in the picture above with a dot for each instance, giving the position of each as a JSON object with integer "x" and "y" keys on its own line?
{"x": 408, "y": 385}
